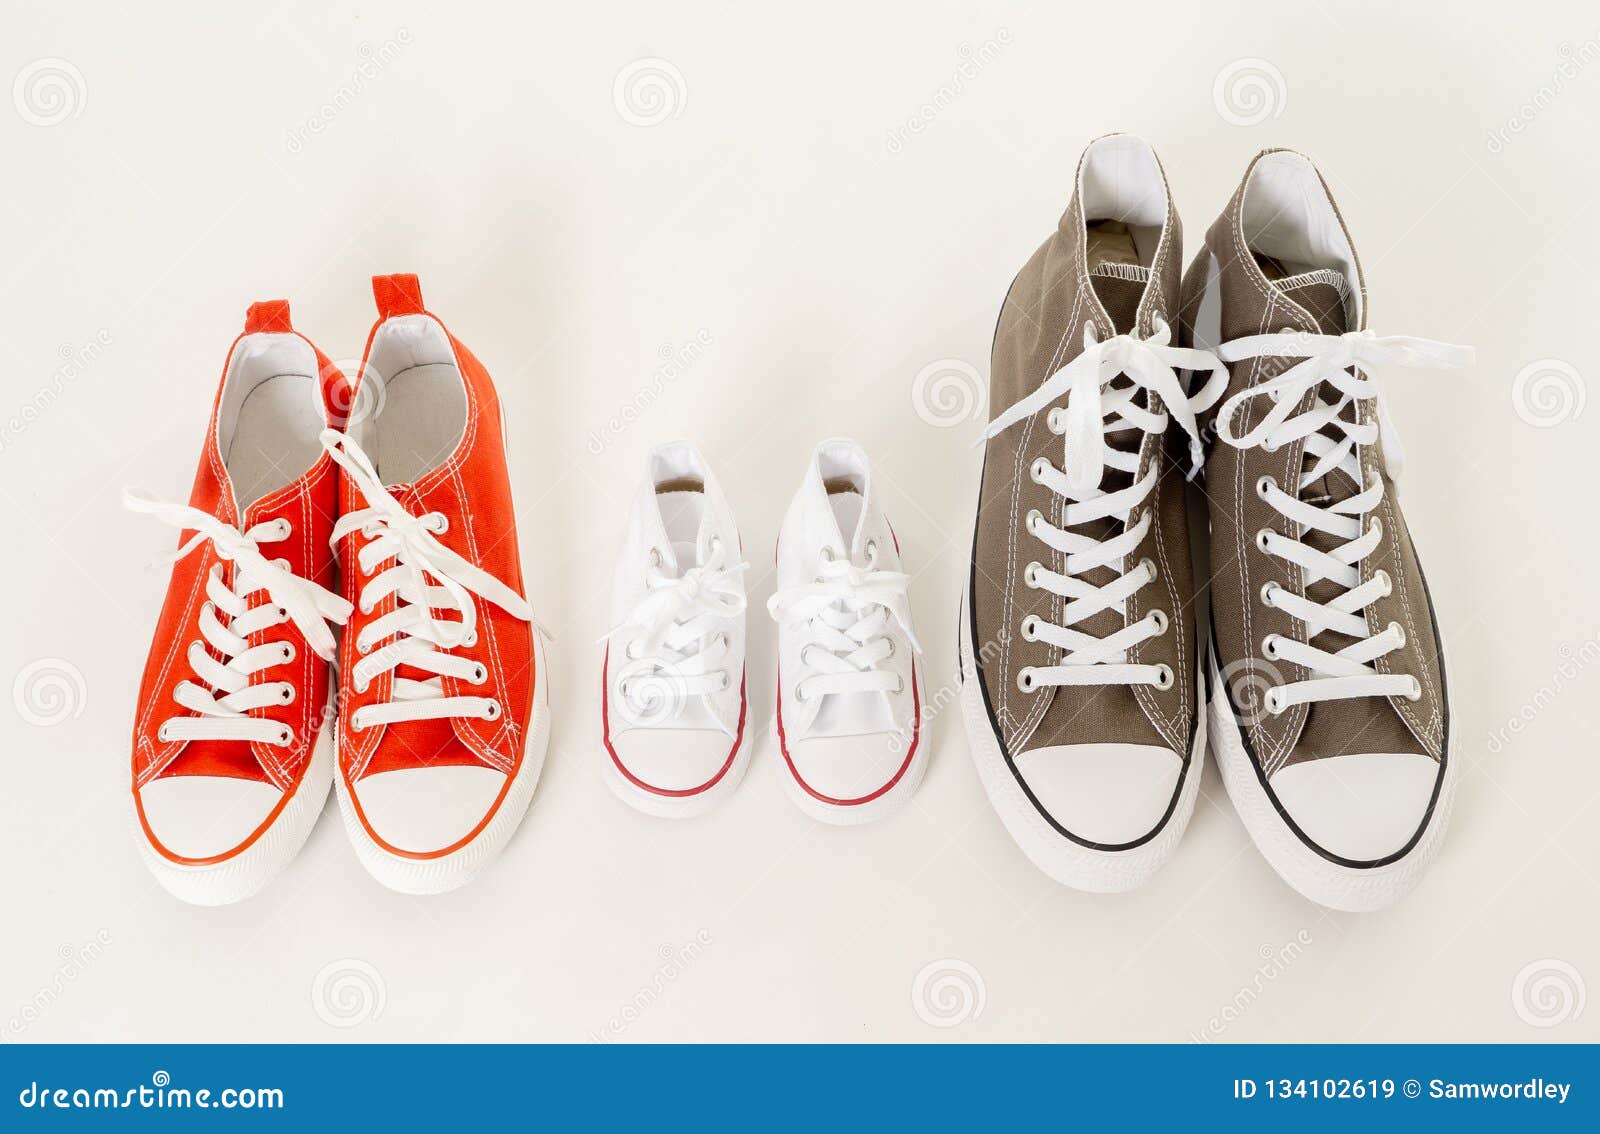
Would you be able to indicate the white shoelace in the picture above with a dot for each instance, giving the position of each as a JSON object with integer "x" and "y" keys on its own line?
{"x": 1096, "y": 410}
{"x": 1325, "y": 363}
{"x": 845, "y": 614}
{"x": 421, "y": 638}
{"x": 681, "y": 649}
{"x": 224, "y": 703}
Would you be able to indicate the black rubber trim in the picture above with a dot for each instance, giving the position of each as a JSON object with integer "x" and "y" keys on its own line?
{"x": 999, "y": 737}
{"x": 1438, "y": 783}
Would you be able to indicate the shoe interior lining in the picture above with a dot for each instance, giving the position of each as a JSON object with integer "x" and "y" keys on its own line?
{"x": 1291, "y": 226}
{"x": 421, "y": 415}
{"x": 1120, "y": 181}
{"x": 271, "y": 415}
{"x": 683, "y": 509}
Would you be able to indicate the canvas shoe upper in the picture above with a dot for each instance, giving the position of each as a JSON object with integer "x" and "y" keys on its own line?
{"x": 674, "y": 708}
{"x": 849, "y": 699}
{"x": 232, "y": 743}
{"x": 1331, "y": 720}
{"x": 443, "y": 706}
{"x": 1079, "y": 652}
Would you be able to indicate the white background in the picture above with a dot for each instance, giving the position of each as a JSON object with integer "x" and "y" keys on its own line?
{"x": 785, "y": 214}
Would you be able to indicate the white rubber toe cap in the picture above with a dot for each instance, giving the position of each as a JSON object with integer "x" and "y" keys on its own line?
{"x": 673, "y": 759}
{"x": 205, "y": 816}
{"x": 427, "y": 810}
{"x": 1108, "y": 794}
{"x": 848, "y": 769}
{"x": 1361, "y": 807}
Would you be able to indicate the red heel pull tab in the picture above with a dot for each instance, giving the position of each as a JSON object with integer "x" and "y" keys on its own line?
{"x": 398, "y": 294}
{"x": 270, "y": 315}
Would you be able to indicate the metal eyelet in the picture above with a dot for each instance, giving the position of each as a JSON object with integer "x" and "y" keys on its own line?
{"x": 1025, "y": 680}
{"x": 1149, "y": 566}
{"x": 900, "y": 685}
{"x": 288, "y": 652}
{"x": 286, "y": 736}
{"x": 1030, "y": 574}
{"x": 288, "y": 694}
{"x": 1261, "y": 541}
{"x": 1158, "y": 619}
{"x": 356, "y": 723}
{"x": 1268, "y": 589}
{"x": 1388, "y": 583}
{"x": 491, "y": 711}
{"x": 1400, "y": 631}
{"x": 1030, "y": 628}
{"x": 471, "y": 639}
{"x": 1274, "y": 702}
{"x": 440, "y": 523}
{"x": 727, "y": 683}
{"x": 1056, "y": 421}
{"x": 1376, "y": 527}
{"x": 890, "y": 654}
{"x": 480, "y": 674}
{"x": 1164, "y": 678}
{"x": 1037, "y": 470}
{"x": 1263, "y": 484}
{"x": 1416, "y": 691}
{"x": 162, "y": 734}
{"x": 872, "y": 547}
{"x": 1034, "y": 518}
{"x": 1269, "y": 647}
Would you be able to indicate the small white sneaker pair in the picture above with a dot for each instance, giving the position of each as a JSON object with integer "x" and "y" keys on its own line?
{"x": 675, "y": 715}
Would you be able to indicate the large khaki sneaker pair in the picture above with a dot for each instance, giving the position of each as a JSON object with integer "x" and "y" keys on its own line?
{"x": 1090, "y": 685}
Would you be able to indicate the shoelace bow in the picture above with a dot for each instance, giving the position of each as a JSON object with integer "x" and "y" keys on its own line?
{"x": 421, "y": 637}
{"x": 223, "y": 709}
{"x": 681, "y": 652}
{"x": 1326, "y": 361}
{"x": 846, "y": 612}
{"x": 1096, "y": 409}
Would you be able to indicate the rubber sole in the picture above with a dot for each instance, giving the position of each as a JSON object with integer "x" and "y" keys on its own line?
{"x": 411, "y": 875}
{"x": 677, "y": 806}
{"x": 855, "y": 814}
{"x": 248, "y": 872}
{"x": 1069, "y": 863}
{"x": 1328, "y": 883}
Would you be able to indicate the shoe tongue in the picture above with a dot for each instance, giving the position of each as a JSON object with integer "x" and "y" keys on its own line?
{"x": 1119, "y": 288}
{"x": 1322, "y": 293}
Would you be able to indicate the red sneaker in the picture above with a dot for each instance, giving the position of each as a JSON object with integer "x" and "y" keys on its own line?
{"x": 444, "y": 705}
{"x": 233, "y": 744}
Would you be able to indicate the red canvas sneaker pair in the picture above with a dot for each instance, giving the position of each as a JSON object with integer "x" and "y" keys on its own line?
{"x": 345, "y": 607}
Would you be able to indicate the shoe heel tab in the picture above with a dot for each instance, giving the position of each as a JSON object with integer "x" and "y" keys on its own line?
{"x": 399, "y": 294}
{"x": 270, "y": 316}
